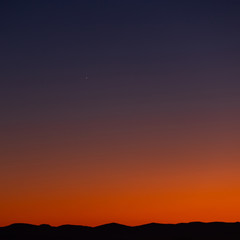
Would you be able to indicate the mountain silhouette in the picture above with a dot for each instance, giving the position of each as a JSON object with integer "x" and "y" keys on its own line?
{"x": 115, "y": 231}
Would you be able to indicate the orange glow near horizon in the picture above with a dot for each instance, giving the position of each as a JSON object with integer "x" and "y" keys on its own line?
{"x": 132, "y": 207}
{"x": 123, "y": 192}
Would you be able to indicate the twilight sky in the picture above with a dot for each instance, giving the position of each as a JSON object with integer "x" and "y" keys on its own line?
{"x": 151, "y": 136}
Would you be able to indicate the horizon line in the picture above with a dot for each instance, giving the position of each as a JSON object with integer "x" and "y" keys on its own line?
{"x": 115, "y": 223}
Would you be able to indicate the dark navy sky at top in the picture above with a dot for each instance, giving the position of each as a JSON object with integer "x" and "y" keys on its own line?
{"x": 138, "y": 55}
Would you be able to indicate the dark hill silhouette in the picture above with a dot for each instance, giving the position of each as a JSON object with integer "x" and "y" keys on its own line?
{"x": 114, "y": 231}
{"x": 112, "y": 227}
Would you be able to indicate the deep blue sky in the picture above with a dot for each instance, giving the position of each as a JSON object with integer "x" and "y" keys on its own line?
{"x": 137, "y": 54}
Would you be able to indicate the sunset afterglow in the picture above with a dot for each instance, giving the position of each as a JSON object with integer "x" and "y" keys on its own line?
{"x": 150, "y": 135}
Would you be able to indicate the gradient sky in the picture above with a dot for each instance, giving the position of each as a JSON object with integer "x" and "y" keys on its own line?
{"x": 152, "y": 136}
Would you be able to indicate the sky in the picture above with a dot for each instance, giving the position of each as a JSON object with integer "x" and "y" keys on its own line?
{"x": 119, "y": 111}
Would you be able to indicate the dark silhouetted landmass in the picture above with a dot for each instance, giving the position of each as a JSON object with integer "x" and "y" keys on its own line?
{"x": 114, "y": 231}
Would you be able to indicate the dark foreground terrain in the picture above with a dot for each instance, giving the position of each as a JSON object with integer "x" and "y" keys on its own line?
{"x": 113, "y": 231}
